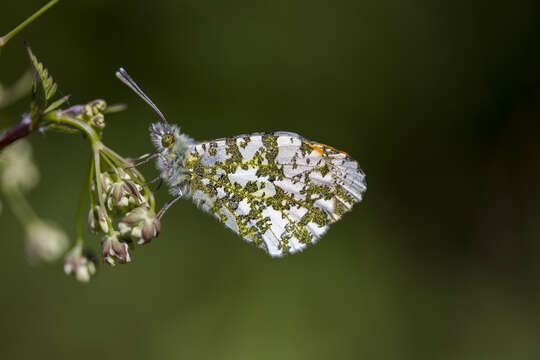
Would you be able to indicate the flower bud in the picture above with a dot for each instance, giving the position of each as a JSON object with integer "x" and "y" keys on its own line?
{"x": 141, "y": 223}
{"x": 44, "y": 241}
{"x": 98, "y": 121}
{"x": 113, "y": 248}
{"x": 80, "y": 263}
{"x": 106, "y": 182}
{"x": 97, "y": 216}
{"x": 122, "y": 195}
{"x": 98, "y": 106}
{"x": 92, "y": 113}
{"x": 87, "y": 112}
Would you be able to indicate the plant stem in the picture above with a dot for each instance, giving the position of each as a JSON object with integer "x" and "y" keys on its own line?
{"x": 97, "y": 146}
{"x": 90, "y": 177}
{"x": 4, "y": 39}
{"x": 25, "y": 127}
{"x": 16, "y": 132}
{"x": 81, "y": 204}
{"x": 99, "y": 189}
{"x": 22, "y": 210}
{"x": 109, "y": 162}
{"x": 62, "y": 118}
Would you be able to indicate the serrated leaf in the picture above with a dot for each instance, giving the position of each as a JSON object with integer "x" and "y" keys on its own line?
{"x": 43, "y": 87}
{"x": 55, "y": 105}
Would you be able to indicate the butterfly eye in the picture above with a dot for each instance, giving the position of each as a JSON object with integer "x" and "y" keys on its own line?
{"x": 167, "y": 140}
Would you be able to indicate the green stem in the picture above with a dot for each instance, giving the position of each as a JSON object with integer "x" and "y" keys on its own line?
{"x": 97, "y": 169}
{"x": 59, "y": 117}
{"x": 22, "y": 210}
{"x": 109, "y": 162}
{"x": 97, "y": 146}
{"x": 81, "y": 206}
{"x": 4, "y": 39}
{"x": 90, "y": 177}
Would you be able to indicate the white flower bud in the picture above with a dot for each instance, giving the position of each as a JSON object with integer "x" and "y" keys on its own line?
{"x": 18, "y": 167}
{"x": 144, "y": 224}
{"x": 79, "y": 264}
{"x": 113, "y": 248}
{"x": 44, "y": 241}
{"x": 97, "y": 216}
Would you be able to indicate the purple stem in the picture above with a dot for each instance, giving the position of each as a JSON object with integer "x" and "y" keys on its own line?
{"x": 16, "y": 132}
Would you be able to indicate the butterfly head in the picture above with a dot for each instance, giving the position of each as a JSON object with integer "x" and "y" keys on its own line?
{"x": 165, "y": 137}
{"x": 167, "y": 140}
{"x": 172, "y": 147}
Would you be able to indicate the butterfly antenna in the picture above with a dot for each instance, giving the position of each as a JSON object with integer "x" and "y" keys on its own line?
{"x": 126, "y": 79}
{"x": 142, "y": 160}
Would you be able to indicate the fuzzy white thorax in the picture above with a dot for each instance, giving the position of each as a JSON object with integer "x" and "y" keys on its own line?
{"x": 170, "y": 160}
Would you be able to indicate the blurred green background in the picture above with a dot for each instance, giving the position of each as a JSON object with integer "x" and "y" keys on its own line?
{"x": 438, "y": 101}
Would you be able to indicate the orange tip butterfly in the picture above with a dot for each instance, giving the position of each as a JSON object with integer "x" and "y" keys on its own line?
{"x": 277, "y": 190}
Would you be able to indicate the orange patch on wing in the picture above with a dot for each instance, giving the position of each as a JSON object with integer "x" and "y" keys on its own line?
{"x": 319, "y": 148}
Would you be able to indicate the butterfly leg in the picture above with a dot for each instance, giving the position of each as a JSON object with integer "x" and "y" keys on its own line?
{"x": 159, "y": 185}
{"x": 167, "y": 206}
{"x": 143, "y": 159}
{"x": 157, "y": 179}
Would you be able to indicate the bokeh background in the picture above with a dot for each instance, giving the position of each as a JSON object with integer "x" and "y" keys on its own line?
{"x": 438, "y": 101}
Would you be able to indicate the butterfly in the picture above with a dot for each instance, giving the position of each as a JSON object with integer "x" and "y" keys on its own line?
{"x": 277, "y": 190}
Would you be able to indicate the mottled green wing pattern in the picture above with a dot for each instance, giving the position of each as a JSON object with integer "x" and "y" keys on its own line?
{"x": 277, "y": 190}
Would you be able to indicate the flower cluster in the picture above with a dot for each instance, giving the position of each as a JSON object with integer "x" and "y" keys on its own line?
{"x": 92, "y": 113}
{"x": 122, "y": 208}
{"x": 121, "y": 203}
{"x": 80, "y": 263}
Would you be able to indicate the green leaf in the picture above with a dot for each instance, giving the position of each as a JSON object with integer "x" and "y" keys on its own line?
{"x": 62, "y": 128}
{"x": 43, "y": 88}
{"x": 55, "y": 105}
{"x": 115, "y": 108}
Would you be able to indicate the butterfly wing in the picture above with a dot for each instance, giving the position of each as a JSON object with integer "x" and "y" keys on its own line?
{"x": 277, "y": 190}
